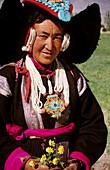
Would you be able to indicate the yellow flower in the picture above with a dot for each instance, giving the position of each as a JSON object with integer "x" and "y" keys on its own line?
{"x": 55, "y": 161}
{"x": 49, "y": 150}
{"x": 60, "y": 149}
{"x": 31, "y": 163}
{"x": 43, "y": 158}
{"x": 51, "y": 143}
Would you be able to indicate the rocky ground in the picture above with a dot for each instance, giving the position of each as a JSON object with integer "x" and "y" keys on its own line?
{"x": 103, "y": 163}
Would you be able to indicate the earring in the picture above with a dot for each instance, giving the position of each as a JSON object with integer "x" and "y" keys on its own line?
{"x": 31, "y": 39}
{"x": 65, "y": 43}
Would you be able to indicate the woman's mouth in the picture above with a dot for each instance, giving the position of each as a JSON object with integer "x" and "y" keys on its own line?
{"x": 47, "y": 53}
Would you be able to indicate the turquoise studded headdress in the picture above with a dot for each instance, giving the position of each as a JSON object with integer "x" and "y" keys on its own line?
{"x": 83, "y": 28}
{"x": 58, "y": 8}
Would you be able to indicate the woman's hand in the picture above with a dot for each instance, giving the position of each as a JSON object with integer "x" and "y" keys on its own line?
{"x": 35, "y": 166}
{"x": 73, "y": 166}
{"x": 32, "y": 164}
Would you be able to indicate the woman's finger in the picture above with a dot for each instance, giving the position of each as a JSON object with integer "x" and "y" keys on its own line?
{"x": 72, "y": 166}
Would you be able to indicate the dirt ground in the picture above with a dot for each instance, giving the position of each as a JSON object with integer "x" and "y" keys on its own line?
{"x": 103, "y": 163}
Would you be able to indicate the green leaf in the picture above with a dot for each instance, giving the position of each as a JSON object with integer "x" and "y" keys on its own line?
{"x": 23, "y": 159}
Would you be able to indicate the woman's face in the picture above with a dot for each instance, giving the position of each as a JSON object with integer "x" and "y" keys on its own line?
{"x": 48, "y": 41}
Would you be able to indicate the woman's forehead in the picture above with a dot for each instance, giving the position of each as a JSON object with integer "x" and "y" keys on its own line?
{"x": 49, "y": 27}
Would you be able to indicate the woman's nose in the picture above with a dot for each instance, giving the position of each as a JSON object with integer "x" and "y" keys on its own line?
{"x": 49, "y": 43}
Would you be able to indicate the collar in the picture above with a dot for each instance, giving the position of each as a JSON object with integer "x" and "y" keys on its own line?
{"x": 39, "y": 66}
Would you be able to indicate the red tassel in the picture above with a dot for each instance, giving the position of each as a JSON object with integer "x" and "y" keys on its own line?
{"x": 28, "y": 85}
{"x": 27, "y": 36}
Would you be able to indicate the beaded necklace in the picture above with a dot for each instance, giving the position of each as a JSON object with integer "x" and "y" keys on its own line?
{"x": 54, "y": 105}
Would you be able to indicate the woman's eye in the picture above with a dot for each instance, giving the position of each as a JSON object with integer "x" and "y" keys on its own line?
{"x": 58, "y": 38}
{"x": 43, "y": 36}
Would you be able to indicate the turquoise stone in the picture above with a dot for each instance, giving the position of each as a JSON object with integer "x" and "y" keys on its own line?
{"x": 46, "y": 3}
{"x": 64, "y": 15}
{"x": 67, "y": 8}
{"x": 62, "y": 9}
{"x": 50, "y": 3}
{"x": 53, "y": 8}
{"x": 56, "y": 10}
{"x": 49, "y": 6}
{"x": 67, "y": 2}
{"x": 56, "y": 4}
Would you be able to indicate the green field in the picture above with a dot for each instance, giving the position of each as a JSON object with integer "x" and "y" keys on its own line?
{"x": 97, "y": 71}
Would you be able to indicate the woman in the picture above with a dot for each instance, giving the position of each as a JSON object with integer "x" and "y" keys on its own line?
{"x": 42, "y": 97}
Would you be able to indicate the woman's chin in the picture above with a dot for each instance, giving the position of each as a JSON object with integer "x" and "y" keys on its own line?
{"x": 46, "y": 62}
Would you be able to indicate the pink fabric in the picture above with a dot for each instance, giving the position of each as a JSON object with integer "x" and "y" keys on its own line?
{"x": 17, "y": 133}
{"x": 49, "y": 132}
{"x": 14, "y": 162}
{"x": 72, "y": 73}
{"x": 80, "y": 156}
{"x": 15, "y": 130}
{"x": 39, "y": 66}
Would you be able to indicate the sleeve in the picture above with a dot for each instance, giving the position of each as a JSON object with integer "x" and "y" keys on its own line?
{"x": 92, "y": 132}
{"x": 10, "y": 153}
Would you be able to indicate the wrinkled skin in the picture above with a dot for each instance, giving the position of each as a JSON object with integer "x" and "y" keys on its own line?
{"x": 48, "y": 41}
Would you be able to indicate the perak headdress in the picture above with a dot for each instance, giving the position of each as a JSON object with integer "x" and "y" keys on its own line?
{"x": 58, "y": 8}
{"x": 61, "y": 9}
{"x": 83, "y": 28}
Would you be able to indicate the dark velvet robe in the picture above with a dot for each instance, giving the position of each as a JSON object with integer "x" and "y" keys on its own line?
{"x": 90, "y": 132}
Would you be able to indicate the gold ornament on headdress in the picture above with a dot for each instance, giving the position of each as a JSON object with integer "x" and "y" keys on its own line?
{"x": 54, "y": 1}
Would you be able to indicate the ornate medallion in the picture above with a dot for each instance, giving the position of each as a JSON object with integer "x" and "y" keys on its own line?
{"x": 54, "y": 106}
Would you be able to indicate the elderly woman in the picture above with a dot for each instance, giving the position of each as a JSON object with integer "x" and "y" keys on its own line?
{"x": 44, "y": 98}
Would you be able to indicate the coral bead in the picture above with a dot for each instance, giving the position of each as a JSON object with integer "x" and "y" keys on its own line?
{"x": 43, "y": 110}
{"x": 66, "y": 104}
{"x": 57, "y": 92}
{"x": 45, "y": 94}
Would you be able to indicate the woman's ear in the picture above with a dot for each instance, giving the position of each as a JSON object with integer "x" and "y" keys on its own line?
{"x": 65, "y": 43}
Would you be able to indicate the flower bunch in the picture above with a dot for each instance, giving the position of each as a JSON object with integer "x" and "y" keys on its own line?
{"x": 53, "y": 156}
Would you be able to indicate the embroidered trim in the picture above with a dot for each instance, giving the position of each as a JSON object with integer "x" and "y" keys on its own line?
{"x": 18, "y": 64}
{"x": 4, "y": 87}
{"x": 81, "y": 85}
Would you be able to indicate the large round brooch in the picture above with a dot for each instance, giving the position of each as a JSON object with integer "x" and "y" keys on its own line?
{"x": 54, "y": 106}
